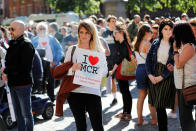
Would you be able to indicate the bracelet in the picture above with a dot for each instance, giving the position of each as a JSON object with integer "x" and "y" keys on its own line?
{"x": 176, "y": 52}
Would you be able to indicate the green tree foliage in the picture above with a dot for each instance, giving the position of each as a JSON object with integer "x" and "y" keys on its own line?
{"x": 153, "y": 5}
{"x": 79, "y": 6}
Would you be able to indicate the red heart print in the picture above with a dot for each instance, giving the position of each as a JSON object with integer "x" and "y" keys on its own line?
{"x": 93, "y": 60}
{"x": 44, "y": 43}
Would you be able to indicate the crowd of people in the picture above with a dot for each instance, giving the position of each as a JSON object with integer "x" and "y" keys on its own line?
{"x": 163, "y": 48}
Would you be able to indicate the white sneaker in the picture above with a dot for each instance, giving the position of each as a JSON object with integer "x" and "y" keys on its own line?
{"x": 143, "y": 123}
{"x": 172, "y": 115}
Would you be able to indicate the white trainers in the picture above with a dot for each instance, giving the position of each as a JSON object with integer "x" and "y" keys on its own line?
{"x": 172, "y": 115}
{"x": 143, "y": 123}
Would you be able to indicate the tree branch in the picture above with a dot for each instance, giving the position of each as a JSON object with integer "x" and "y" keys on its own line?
{"x": 162, "y": 4}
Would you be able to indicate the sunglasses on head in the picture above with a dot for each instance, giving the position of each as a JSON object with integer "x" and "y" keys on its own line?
{"x": 11, "y": 29}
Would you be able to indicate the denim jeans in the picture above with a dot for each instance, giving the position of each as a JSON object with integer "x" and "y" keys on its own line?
{"x": 21, "y": 98}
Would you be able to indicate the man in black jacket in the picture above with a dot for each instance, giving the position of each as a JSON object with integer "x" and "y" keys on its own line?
{"x": 18, "y": 70}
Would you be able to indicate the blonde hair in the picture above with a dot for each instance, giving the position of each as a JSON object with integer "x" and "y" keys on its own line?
{"x": 95, "y": 43}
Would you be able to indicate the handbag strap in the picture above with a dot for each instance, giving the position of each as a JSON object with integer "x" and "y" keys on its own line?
{"x": 142, "y": 56}
{"x": 130, "y": 53}
{"x": 72, "y": 52}
{"x": 183, "y": 78}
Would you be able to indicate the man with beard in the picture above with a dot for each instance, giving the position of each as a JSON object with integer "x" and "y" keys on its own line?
{"x": 53, "y": 49}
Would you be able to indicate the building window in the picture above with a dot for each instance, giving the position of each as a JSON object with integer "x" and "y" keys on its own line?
{"x": 29, "y": 9}
{"x": 14, "y": 13}
{"x": 1, "y": 12}
{"x": 22, "y": 11}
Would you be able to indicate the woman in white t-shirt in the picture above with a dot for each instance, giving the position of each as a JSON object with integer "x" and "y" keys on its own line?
{"x": 85, "y": 99}
{"x": 185, "y": 58}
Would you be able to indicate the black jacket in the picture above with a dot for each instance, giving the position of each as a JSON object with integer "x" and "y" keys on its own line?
{"x": 18, "y": 63}
{"x": 122, "y": 52}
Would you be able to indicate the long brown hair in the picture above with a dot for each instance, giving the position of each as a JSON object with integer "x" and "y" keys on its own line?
{"x": 125, "y": 33}
{"x": 142, "y": 31}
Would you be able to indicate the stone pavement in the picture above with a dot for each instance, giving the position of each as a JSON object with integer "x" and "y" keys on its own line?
{"x": 67, "y": 123}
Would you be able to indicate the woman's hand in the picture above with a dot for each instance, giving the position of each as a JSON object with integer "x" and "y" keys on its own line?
{"x": 158, "y": 79}
{"x": 53, "y": 64}
{"x": 170, "y": 67}
{"x": 110, "y": 73}
{"x": 76, "y": 66}
{"x": 152, "y": 79}
{"x": 3, "y": 76}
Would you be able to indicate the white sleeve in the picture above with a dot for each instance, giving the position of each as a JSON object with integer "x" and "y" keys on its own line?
{"x": 2, "y": 55}
{"x": 105, "y": 71}
{"x": 68, "y": 58}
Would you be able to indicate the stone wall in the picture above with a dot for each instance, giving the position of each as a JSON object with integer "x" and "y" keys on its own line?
{"x": 114, "y": 7}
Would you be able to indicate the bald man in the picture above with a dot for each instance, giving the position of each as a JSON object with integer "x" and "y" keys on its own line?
{"x": 17, "y": 73}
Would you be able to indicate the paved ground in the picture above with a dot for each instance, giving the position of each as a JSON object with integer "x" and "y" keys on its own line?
{"x": 67, "y": 123}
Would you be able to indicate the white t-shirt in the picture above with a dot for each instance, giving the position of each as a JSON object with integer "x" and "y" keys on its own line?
{"x": 83, "y": 89}
{"x": 43, "y": 43}
{"x": 163, "y": 53}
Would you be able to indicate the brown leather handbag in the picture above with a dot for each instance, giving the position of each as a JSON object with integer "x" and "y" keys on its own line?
{"x": 189, "y": 93}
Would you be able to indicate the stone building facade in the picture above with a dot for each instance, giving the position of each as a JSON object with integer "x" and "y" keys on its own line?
{"x": 115, "y": 7}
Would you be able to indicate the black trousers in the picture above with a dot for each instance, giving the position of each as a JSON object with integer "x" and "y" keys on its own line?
{"x": 185, "y": 113}
{"x": 126, "y": 96}
{"x": 162, "y": 119}
{"x": 50, "y": 87}
{"x": 2, "y": 124}
{"x": 81, "y": 103}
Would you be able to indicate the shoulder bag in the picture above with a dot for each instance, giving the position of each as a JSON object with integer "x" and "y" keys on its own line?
{"x": 127, "y": 69}
{"x": 189, "y": 93}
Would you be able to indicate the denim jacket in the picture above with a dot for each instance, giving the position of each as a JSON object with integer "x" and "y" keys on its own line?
{"x": 151, "y": 60}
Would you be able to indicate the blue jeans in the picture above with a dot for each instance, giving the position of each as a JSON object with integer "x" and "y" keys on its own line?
{"x": 21, "y": 98}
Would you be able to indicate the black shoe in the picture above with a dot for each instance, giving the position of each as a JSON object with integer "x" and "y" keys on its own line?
{"x": 114, "y": 102}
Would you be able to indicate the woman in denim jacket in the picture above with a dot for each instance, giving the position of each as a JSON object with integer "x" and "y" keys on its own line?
{"x": 161, "y": 84}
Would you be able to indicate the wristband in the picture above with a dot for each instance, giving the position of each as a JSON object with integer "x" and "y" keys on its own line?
{"x": 176, "y": 52}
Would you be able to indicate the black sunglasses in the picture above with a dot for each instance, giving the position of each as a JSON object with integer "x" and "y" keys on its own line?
{"x": 42, "y": 29}
{"x": 11, "y": 29}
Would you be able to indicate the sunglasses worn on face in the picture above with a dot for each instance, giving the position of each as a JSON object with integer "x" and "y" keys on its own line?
{"x": 11, "y": 29}
{"x": 42, "y": 29}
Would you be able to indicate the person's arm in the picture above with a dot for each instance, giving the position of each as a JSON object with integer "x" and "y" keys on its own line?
{"x": 187, "y": 53}
{"x": 147, "y": 47}
{"x": 113, "y": 70}
{"x": 149, "y": 62}
{"x": 26, "y": 58}
{"x": 58, "y": 51}
{"x": 105, "y": 46}
{"x": 124, "y": 53}
{"x": 75, "y": 66}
